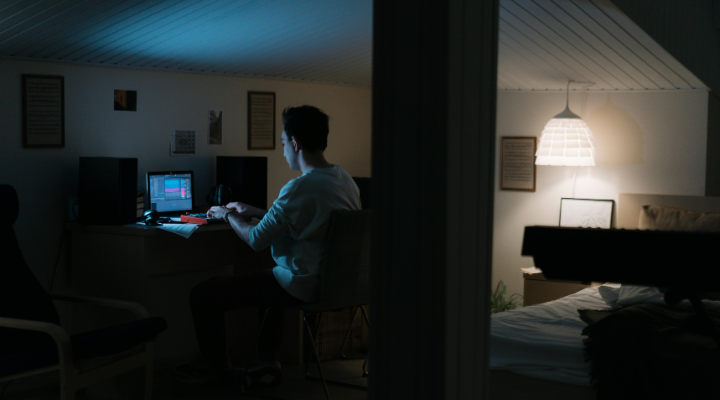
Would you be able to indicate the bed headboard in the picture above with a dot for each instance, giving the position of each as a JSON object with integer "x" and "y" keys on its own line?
{"x": 629, "y": 205}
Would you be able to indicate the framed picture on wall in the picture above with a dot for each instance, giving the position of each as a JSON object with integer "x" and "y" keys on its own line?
{"x": 586, "y": 213}
{"x": 261, "y": 121}
{"x": 125, "y": 100}
{"x": 43, "y": 110}
{"x": 517, "y": 163}
{"x": 215, "y": 127}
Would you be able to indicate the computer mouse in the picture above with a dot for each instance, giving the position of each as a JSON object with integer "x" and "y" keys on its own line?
{"x": 151, "y": 218}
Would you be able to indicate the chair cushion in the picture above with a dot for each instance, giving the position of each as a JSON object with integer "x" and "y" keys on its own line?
{"x": 97, "y": 343}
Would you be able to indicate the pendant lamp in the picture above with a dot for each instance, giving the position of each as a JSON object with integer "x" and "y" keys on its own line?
{"x": 566, "y": 140}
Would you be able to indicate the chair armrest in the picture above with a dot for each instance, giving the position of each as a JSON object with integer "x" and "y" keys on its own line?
{"x": 136, "y": 308}
{"x": 55, "y": 331}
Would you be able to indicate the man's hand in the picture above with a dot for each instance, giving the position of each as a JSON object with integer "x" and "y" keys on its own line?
{"x": 217, "y": 212}
{"x": 239, "y": 225}
{"x": 245, "y": 210}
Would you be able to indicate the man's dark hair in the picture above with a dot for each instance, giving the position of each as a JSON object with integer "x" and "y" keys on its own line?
{"x": 309, "y": 126}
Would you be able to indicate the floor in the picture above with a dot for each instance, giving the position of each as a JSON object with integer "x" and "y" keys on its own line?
{"x": 130, "y": 386}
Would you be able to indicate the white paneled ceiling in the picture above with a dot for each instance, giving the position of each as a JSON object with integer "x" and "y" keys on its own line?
{"x": 545, "y": 43}
{"x": 542, "y": 43}
{"x": 316, "y": 40}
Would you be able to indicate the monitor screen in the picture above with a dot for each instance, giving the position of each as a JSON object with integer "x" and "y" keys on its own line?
{"x": 170, "y": 192}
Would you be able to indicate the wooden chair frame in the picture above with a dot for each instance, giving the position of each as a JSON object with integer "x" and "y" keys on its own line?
{"x": 79, "y": 374}
{"x": 342, "y": 347}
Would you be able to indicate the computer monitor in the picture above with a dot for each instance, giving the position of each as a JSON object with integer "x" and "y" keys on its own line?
{"x": 170, "y": 192}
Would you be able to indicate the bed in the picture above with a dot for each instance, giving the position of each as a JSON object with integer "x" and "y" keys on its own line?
{"x": 537, "y": 351}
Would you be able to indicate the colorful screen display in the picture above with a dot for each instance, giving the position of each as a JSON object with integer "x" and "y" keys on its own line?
{"x": 170, "y": 192}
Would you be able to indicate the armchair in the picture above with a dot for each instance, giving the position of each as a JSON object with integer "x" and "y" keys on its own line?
{"x": 33, "y": 341}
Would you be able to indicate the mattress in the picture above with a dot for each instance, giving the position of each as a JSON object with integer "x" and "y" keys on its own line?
{"x": 544, "y": 341}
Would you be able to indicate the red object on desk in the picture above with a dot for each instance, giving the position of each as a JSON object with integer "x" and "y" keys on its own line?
{"x": 193, "y": 220}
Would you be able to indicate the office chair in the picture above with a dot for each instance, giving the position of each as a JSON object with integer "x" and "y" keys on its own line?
{"x": 33, "y": 341}
{"x": 344, "y": 278}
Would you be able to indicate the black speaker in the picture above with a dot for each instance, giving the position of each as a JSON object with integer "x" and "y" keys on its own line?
{"x": 107, "y": 190}
{"x": 245, "y": 176}
{"x": 365, "y": 186}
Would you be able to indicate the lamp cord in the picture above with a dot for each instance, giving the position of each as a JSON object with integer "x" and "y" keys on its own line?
{"x": 567, "y": 91}
{"x": 574, "y": 180}
{"x": 567, "y": 95}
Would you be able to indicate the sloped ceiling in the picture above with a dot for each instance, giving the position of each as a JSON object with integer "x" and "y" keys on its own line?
{"x": 545, "y": 43}
{"x": 318, "y": 40}
{"x": 542, "y": 43}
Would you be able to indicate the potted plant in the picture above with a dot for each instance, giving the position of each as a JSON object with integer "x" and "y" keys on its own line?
{"x": 500, "y": 303}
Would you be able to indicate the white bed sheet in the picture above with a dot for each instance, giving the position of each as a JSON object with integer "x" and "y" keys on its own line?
{"x": 544, "y": 341}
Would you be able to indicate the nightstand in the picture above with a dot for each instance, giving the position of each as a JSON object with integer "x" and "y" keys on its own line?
{"x": 537, "y": 289}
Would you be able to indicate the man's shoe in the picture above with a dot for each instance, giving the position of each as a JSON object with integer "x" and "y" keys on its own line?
{"x": 262, "y": 374}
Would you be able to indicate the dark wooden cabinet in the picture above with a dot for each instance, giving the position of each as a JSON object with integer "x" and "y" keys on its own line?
{"x": 537, "y": 289}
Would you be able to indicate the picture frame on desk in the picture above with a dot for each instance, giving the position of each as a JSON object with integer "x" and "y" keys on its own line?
{"x": 586, "y": 213}
{"x": 43, "y": 111}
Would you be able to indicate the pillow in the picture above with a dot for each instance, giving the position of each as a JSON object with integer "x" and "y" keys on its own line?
{"x": 676, "y": 219}
{"x": 636, "y": 294}
{"x": 610, "y": 293}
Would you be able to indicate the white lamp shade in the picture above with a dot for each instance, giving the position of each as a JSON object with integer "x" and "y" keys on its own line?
{"x": 566, "y": 141}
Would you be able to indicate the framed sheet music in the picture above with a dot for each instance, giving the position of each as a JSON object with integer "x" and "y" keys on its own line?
{"x": 43, "y": 110}
{"x": 261, "y": 121}
{"x": 517, "y": 165}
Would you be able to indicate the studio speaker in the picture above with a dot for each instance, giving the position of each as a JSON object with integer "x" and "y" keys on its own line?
{"x": 107, "y": 190}
{"x": 365, "y": 186}
{"x": 246, "y": 177}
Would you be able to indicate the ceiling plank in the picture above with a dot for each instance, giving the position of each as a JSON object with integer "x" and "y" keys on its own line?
{"x": 569, "y": 18}
{"x": 614, "y": 13}
{"x": 542, "y": 43}
{"x": 570, "y": 46}
{"x": 536, "y": 40}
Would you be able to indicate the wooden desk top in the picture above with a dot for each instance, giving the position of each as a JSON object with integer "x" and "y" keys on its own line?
{"x": 138, "y": 229}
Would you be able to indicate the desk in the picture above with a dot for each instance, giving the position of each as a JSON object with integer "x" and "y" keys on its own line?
{"x": 157, "y": 269}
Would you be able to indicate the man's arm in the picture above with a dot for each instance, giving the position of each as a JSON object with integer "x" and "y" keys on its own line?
{"x": 236, "y": 218}
{"x": 274, "y": 223}
{"x": 240, "y": 226}
{"x": 270, "y": 228}
{"x": 246, "y": 210}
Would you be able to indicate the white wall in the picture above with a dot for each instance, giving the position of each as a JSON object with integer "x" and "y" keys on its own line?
{"x": 46, "y": 179}
{"x": 646, "y": 142}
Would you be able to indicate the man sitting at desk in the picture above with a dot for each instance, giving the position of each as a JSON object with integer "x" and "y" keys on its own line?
{"x": 296, "y": 228}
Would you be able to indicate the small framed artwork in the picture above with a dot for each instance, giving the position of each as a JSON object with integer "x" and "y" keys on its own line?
{"x": 182, "y": 142}
{"x": 586, "y": 213}
{"x": 43, "y": 110}
{"x": 517, "y": 163}
{"x": 261, "y": 121}
{"x": 215, "y": 127}
{"x": 125, "y": 100}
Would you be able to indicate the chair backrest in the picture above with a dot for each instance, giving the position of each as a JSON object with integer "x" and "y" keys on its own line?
{"x": 344, "y": 276}
{"x": 21, "y": 295}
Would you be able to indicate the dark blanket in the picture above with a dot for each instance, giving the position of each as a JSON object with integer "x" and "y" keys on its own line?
{"x": 650, "y": 351}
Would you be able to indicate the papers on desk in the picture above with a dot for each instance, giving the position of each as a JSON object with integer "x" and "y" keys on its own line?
{"x": 184, "y": 230}
{"x": 531, "y": 271}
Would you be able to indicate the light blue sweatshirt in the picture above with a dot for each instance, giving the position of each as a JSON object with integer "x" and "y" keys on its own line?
{"x": 296, "y": 226}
